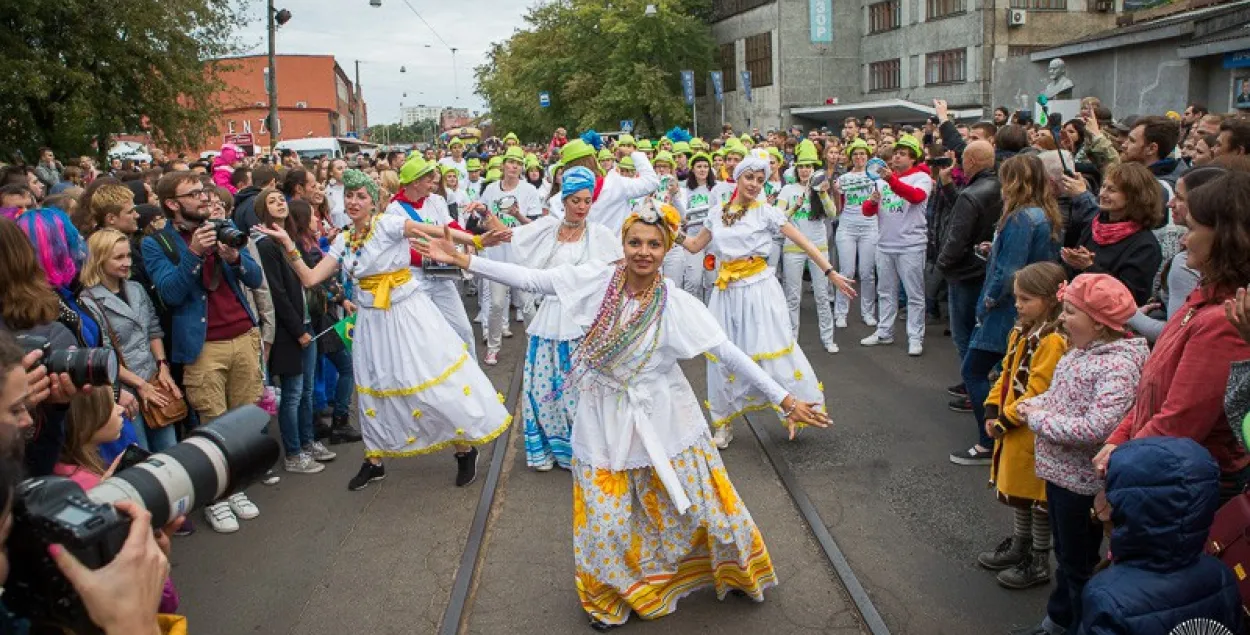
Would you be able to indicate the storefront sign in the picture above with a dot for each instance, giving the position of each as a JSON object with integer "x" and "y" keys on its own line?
{"x": 1237, "y": 59}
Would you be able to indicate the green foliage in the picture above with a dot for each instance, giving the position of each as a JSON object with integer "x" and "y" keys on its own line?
{"x": 602, "y": 61}
{"x": 76, "y": 71}
{"x": 424, "y": 131}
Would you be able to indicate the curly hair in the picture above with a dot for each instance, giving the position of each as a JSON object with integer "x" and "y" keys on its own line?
{"x": 1142, "y": 194}
{"x": 1223, "y": 204}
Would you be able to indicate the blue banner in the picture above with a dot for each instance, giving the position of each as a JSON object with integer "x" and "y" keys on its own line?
{"x": 1237, "y": 59}
{"x": 746, "y": 84}
{"x": 820, "y": 14}
{"x": 718, "y": 86}
{"x": 687, "y": 86}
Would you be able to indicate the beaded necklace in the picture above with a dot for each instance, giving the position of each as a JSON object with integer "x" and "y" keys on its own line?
{"x": 610, "y": 340}
{"x": 354, "y": 243}
{"x": 735, "y": 211}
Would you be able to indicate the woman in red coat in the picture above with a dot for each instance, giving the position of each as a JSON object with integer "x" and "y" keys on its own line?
{"x": 1182, "y": 386}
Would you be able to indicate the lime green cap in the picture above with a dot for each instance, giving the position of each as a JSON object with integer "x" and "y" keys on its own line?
{"x": 494, "y": 162}
{"x": 806, "y": 153}
{"x": 605, "y": 154}
{"x": 626, "y": 140}
{"x": 626, "y": 162}
{"x": 511, "y": 136}
{"x": 415, "y": 168}
{"x": 665, "y": 157}
{"x": 644, "y": 145}
{"x": 574, "y": 150}
{"x": 515, "y": 153}
{"x": 493, "y": 175}
{"x": 858, "y": 144}
{"x": 700, "y": 156}
{"x": 681, "y": 147}
{"x": 734, "y": 146}
{"x": 911, "y": 143}
{"x": 473, "y": 165}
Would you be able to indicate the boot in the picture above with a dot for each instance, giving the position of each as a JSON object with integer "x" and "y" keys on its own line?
{"x": 1009, "y": 553}
{"x": 342, "y": 432}
{"x": 321, "y": 430}
{"x": 1033, "y": 571}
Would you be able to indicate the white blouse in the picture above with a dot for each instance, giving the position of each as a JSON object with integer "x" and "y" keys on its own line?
{"x": 385, "y": 250}
{"x": 535, "y": 246}
{"x": 752, "y": 235}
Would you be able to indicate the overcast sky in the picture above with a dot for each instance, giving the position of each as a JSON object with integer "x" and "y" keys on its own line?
{"x": 391, "y": 36}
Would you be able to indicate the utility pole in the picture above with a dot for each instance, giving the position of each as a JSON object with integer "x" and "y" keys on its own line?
{"x": 356, "y": 109}
{"x": 455, "y": 76}
{"x": 274, "y": 135}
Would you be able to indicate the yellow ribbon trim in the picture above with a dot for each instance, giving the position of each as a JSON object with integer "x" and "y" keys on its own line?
{"x": 791, "y": 248}
{"x": 741, "y": 269}
{"x": 381, "y": 284}
{"x": 719, "y": 423}
{"x": 758, "y": 357}
{"x": 438, "y": 447}
{"x": 403, "y": 392}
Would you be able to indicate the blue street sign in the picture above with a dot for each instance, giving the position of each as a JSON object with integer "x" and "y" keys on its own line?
{"x": 1237, "y": 59}
{"x": 544, "y": 99}
{"x": 687, "y": 86}
{"x": 820, "y": 14}
{"x": 627, "y": 125}
{"x": 746, "y": 84}
{"x": 718, "y": 86}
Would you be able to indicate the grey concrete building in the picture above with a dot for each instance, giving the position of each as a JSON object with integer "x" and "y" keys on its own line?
{"x": 886, "y": 57}
{"x": 1154, "y": 61}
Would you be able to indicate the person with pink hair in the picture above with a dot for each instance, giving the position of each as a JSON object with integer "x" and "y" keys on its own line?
{"x": 224, "y": 165}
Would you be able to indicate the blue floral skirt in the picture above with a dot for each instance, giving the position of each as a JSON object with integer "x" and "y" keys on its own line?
{"x": 549, "y": 405}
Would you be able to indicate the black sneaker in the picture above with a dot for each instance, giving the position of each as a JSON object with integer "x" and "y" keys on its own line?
{"x": 342, "y": 432}
{"x": 321, "y": 430}
{"x": 958, "y": 390}
{"x": 466, "y": 467}
{"x": 368, "y": 473}
{"x": 972, "y": 456}
{"x": 960, "y": 404}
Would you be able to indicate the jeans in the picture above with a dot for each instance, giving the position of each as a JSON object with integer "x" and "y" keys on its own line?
{"x": 857, "y": 243}
{"x": 792, "y": 277}
{"x": 154, "y": 439}
{"x": 962, "y": 306}
{"x": 907, "y": 267}
{"x": 342, "y": 399}
{"x": 1076, "y": 541}
{"x": 976, "y": 375}
{"x": 295, "y": 413}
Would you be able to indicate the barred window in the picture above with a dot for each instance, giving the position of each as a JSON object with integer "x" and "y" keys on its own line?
{"x": 884, "y": 75}
{"x": 722, "y": 9}
{"x": 941, "y": 8}
{"x": 759, "y": 59}
{"x": 946, "y": 67}
{"x": 884, "y": 16}
{"x": 1045, "y": 5}
{"x": 728, "y": 67}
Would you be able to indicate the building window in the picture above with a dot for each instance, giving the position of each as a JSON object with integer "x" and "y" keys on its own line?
{"x": 946, "y": 67}
{"x": 728, "y": 67}
{"x": 759, "y": 58}
{"x": 722, "y": 9}
{"x": 1042, "y": 5}
{"x": 883, "y": 16}
{"x": 884, "y": 75}
{"x": 943, "y": 8}
{"x": 1021, "y": 51}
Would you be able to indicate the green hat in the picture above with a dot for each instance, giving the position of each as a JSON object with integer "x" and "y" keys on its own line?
{"x": 531, "y": 161}
{"x": 493, "y": 175}
{"x": 605, "y": 154}
{"x": 857, "y": 144}
{"x": 512, "y": 136}
{"x": 644, "y": 145}
{"x": 574, "y": 150}
{"x": 494, "y": 163}
{"x": 775, "y": 153}
{"x": 734, "y": 146}
{"x": 806, "y": 153}
{"x": 473, "y": 165}
{"x": 455, "y": 142}
{"x": 444, "y": 169}
{"x": 515, "y": 153}
{"x": 681, "y": 147}
{"x": 698, "y": 144}
{"x": 746, "y": 138}
{"x": 626, "y": 162}
{"x": 721, "y": 153}
{"x": 415, "y": 168}
{"x": 665, "y": 156}
{"x": 626, "y": 140}
{"x": 911, "y": 143}
{"x": 700, "y": 156}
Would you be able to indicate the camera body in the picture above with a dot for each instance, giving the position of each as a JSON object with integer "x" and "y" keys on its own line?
{"x": 227, "y": 233}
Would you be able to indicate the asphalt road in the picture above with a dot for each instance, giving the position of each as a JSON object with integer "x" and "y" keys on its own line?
{"x": 323, "y": 560}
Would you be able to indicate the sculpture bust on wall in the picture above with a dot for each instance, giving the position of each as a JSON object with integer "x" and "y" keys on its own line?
{"x": 1059, "y": 85}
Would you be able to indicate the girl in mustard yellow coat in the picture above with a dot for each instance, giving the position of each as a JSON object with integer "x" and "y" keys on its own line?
{"x": 1033, "y": 350}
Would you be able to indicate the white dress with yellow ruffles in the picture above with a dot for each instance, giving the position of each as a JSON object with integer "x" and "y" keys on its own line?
{"x": 749, "y": 304}
{"x": 418, "y": 390}
{"x": 655, "y": 516}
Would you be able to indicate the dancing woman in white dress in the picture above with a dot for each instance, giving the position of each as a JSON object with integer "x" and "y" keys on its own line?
{"x": 748, "y": 301}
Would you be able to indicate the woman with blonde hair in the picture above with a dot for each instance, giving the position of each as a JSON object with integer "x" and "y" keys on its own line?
{"x": 388, "y": 180}
{"x": 1029, "y": 231}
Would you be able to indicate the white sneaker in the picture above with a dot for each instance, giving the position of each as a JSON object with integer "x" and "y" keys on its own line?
{"x": 915, "y": 349}
{"x": 221, "y": 518}
{"x": 520, "y": 317}
{"x": 723, "y": 436}
{"x": 832, "y": 349}
{"x": 507, "y": 332}
{"x": 271, "y": 478}
{"x": 242, "y": 506}
{"x": 319, "y": 452}
{"x": 546, "y": 466}
{"x": 301, "y": 463}
{"x": 491, "y": 359}
{"x": 873, "y": 340}
{"x": 870, "y": 321}
{"x": 840, "y": 323}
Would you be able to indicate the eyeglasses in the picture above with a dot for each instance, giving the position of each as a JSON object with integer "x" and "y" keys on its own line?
{"x": 193, "y": 194}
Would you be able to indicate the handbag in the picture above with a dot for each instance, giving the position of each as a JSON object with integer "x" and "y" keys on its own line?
{"x": 1229, "y": 540}
{"x": 154, "y": 416}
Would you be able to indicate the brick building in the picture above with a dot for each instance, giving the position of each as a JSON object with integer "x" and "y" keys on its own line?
{"x": 315, "y": 99}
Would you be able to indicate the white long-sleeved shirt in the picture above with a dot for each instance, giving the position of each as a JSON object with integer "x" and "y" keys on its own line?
{"x": 612, "y": 206}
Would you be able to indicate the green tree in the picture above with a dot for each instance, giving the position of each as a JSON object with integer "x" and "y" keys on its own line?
{"x": 602, "y": 61}
{"x": 78, "y": 71}
{"x": 423, "y": 131}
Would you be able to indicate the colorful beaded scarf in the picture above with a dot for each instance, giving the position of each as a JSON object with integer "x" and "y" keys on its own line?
{"x": 610, "y": 340}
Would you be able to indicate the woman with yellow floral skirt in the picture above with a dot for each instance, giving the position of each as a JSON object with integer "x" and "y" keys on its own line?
{"x": 418, "y": 389}
{"x": 654, "y": 514}
{"x": 748, "y": 301}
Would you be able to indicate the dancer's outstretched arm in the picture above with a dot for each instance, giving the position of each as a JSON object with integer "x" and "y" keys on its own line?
{"x": 844, "y": 284}
{"x": 795, "y": 411}
{"x": 531, "y": 280}
{"x": 309, "y": 277}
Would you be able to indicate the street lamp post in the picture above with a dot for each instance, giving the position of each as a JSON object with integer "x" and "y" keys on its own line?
{"x": 276, "y": 19}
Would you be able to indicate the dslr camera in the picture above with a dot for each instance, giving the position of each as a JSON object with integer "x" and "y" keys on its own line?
{"x": 227, "y": 233}
{"x": 214, "y": 461}
{"x": 85, "y": 366}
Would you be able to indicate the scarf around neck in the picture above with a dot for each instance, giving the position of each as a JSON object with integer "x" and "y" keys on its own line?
{"x": 1112, "y": 233}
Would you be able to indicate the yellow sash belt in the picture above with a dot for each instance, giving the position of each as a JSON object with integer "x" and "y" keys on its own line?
{"x": 381, "y": 284}
{"x": 741, "y": 269}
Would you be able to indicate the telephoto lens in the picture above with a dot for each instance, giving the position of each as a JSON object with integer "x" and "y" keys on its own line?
{"x": 85, "y": 366}
{"x": 229, "y": 235}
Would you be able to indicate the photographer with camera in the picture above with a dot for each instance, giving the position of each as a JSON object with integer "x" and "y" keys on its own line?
{"x": 199, "y": 270}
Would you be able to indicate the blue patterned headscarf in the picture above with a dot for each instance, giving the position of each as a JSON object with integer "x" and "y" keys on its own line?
{"x": 576, "y": 179}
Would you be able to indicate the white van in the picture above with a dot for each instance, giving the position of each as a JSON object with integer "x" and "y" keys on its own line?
{"x": 313, "y": 147}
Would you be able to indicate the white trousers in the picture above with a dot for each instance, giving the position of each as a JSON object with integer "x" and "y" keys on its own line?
{"x": 686, "y": 269}
{"x": 857, "y": 244}
{"x": 908, "y": 267}
{"x": 501, "y": 297}
{"x": 792, "y": 280}
{"x": 445, "y": 293}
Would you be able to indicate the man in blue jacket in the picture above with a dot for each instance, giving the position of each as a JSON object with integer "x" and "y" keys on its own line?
{"x": 214, "y": 330}
{"x": 1163, "y": 493}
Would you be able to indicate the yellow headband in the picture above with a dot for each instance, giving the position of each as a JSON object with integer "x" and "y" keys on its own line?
{"x": 666, "y": 217}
